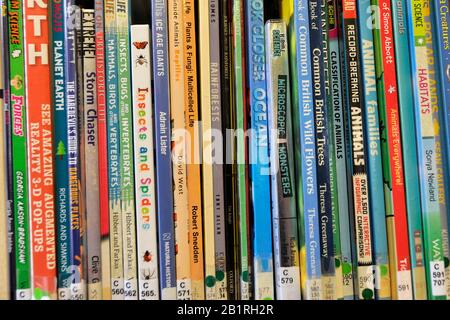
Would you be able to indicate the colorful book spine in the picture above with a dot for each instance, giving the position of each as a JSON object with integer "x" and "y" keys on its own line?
{"x": 241, "y": 149}
{"x": 191, "y": 109}
{"x": 40, "y": 160}
{"x": 92, "y": 194}
{"x": 259, "y": 152}
{"x": 426, "y": 146}
{"x": 163, "y": 157}
{"x": 436, "y": 106}
{"x": 337, "y": 253}
{"x": 322, "y": 151}
{"x": 396, "y": 215}
{"x": 340, "y": 149}
{"x": 218, "y": 156}
{"x": 441, "y": 18}
{"x": 356, "y": 115}
{"x": 207, "y": 160}
{"x": 285, "y": 223}
{"x": 104, "y": 267}
{"x": 144, "y": 165}
{"x": 375, "y": 164}
{"x": 126, "y": 151}
{"x": 180, "y": 192}
{"x": 114, "y": 161}
{"x": 5, "y": 182}
{"x": 76, "y": 263}
{"x": 303, "y": 111}
{"x": 409, "y": 149}
{"x": 228, "y": 124}
{"x": 19, "y": 149}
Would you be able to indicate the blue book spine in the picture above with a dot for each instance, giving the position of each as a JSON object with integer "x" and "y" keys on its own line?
{"x": 63, "y": 225}
{"x": 163, "y": 153}
{"x": 259, "y": 151}
{"x": 409, "y": 148}
{"x": 322, "y": 151}
{"x": 310, "y": 254}
{"x": 76, "y": 266}
{"x": 375, "y": 169}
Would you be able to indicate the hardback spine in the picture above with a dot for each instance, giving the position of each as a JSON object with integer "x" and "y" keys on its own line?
{"x": 100, "y": 80}
{"x": 241, "y": 150}
{"x": 340, "y": 149}
{"x": 325, "y": 16}
{"x": 4, "y": 154}
{"x": 63, "y": 224}
{"x": 356, "y": 115}
{"x": 304, "y": 135}
{"x": 285, "y": 232}
{"x": 126, "y": 151}
{"x": 191, "y": 109}
{"x": 114, "y": 161}
{"x": 396, "y": 215}
{"x": 426, "y": 151}
{"x": 207, "y": 167}
{"x": 259, "y": 152}
{"x": 375, "y": 164}
{"x": 40, "y": 159}
{"x": 163, "y": 157}
{"x": 180, "y": 192}
{"x": 17, "y": 79}
{"x": 322, "y": 151}
{"x": 436, "y": 106}
{"x": 92, "y": 191}
{"x": 441, "y": 18}
{"x": 228, "y": 125}
{"x": 144, "y": 164}
{"x": 218, "y": 157}
{"x": 76, "y": 264}
{"x": 409, "y": 148}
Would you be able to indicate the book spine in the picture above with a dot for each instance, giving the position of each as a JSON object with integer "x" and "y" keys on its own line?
{"x": 436, "y": 106}
{"x": 126, "y": 151}
{"x": 322, "y": 151}
{"x": 144, "y": 168}
{"x": 180, "y": 192}
{"x": 409, "y": 148}
{"x": 441, "y": 17}
{"x": 426, "y": 148}
{"x": 228, "y": 116}
{"x": 163, "y": 157}
{"x": 259, "y": 152}
{"x": 40, "y": 160}
{"x": 218, "y": 157}
{"x": 4, "y": 168}
{"x": 191, "y": 109}
{"x": 114, "y": 161}
{"x": 306, "y": 156}
{"x": 340, "y": 150}
{"x": 207, "y": 161}
{"x": 356, "y": 114}
{"x": 241, "y": 150}
{"x": 375, "y": 164}
{"x": 286, "y": 240}
{"x": 92, "y": 194}
{"x": 19, "y": 149}
{"x": 100, "y": 80}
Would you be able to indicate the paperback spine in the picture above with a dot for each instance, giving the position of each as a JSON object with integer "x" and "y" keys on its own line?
{"x": 163, "y": 157}
{"x": 191, "y": 109}
{"x": 285, "y": 223}
{"x": 17, "y": 79}
{"x": 40, "y": 159}
{"x": 375, "y": 164}
{"x": 356, "y": 115}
